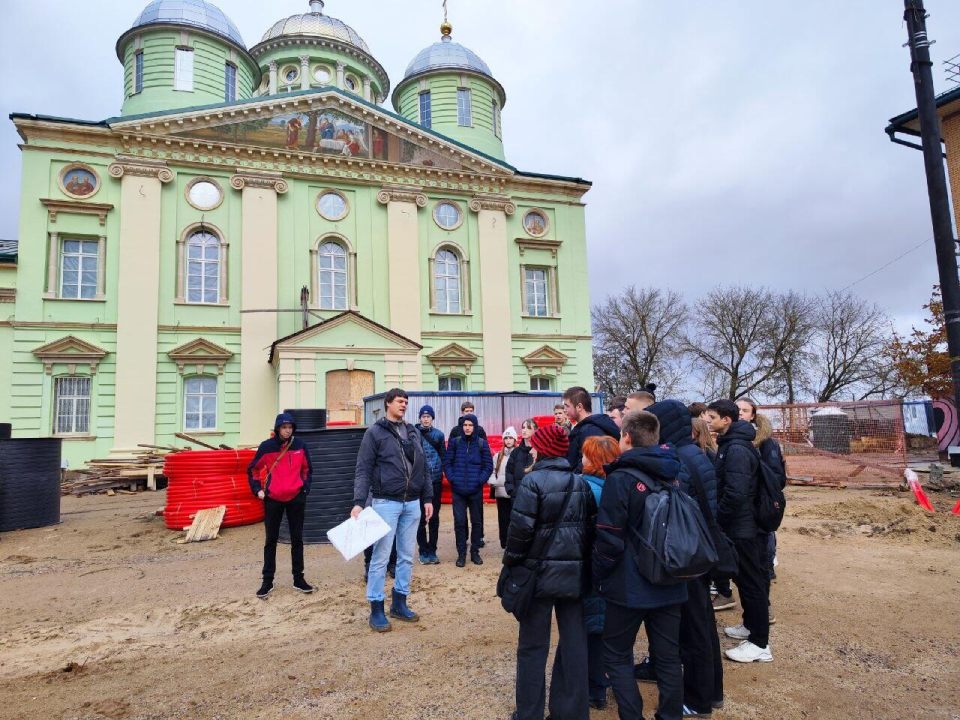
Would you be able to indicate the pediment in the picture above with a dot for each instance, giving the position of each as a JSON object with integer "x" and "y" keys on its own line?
{"x": 348, "y": 333}
{"x": 328, "y": 124}
{"x": 200, "y": 352}
{"x": 453, "y": 354}
{"x": 545, "y": 356}
{"x": 70, "y": 350}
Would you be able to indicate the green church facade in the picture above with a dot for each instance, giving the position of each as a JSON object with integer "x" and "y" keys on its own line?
{"x": 199, "y": 266}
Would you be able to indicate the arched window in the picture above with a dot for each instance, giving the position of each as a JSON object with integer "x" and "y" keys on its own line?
{"x": 203, "y": 268}
{"x": 446, "y": 267}
{"x": 332, "y": 261}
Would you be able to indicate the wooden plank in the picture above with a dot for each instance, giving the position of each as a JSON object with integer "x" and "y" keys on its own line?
{"x": 152, "y": 478}
{"x": 201, "y": 443}
{"x": 205, "y": 526}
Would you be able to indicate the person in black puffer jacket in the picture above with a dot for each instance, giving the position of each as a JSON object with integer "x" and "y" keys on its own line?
{"x": 579, "y": 407}
{"x": 738, "y": 464}
{"x": 521, "y": 459}
{"x": 560, "y": 583}
{"x": 699, "y": 641}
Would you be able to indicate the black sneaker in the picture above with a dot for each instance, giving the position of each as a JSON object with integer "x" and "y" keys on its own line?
{"x": 644, "y": 671}
{"x": 462, "y": 560}
{"x": 265, "y": 589}
{"x": 475, "y": 558}
{"x": 303, "y": 586}
{"x": 598, "y": 704}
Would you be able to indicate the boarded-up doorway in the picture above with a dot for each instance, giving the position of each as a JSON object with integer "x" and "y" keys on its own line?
{"x": 346, "y": 390}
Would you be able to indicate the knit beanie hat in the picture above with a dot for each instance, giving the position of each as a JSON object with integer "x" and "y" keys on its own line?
{"x": 427, "y": 410}
{"x": 510, "y": 433}
{"x": 551, "y": 441}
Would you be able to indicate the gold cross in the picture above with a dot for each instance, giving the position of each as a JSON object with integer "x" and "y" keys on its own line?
{"x": 445, "y": 10}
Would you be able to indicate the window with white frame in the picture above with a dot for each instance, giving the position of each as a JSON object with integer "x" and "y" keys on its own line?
{"x": 332, "y": 265}
{"x": 71, "y": 406}
{"x": 464, "y": 111}
{"x": 230, "y": 83}
{"x": 425, "y": 109}
{"x": 540, "y": 384}
{"x": 203, "y": 268}
{"x": 200, "y": 403}
{"x": 79, "y": 266}
{"x": 536, "y": 291}
{"x": 446, "y": 270}
{"x": 183, "y": 70}
{"x": 495, "y": 118}
{"x": 451, "y": 383}
{"x": 138, "y": 72}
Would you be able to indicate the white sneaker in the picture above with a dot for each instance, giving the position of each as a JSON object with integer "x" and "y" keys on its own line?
{"x": 737, "y": 633}
{"x": 747, "y": 652}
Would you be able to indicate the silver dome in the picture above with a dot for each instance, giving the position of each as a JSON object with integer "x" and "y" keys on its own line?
{"x": 316, "y": 24}
{"x": 197, "y": 13}
{"x": 446, "y": 54}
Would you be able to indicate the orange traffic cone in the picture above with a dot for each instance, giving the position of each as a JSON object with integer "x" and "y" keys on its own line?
{"x": 956, "y": 508}
{"x": 918, "y": 492}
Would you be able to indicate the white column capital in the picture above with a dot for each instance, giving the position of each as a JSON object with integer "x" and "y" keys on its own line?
{"x": 259, "y": 179}
{"x": 140, "y": 167}
{"x": 500, "y": 203}
{"x": 402, "y": 194}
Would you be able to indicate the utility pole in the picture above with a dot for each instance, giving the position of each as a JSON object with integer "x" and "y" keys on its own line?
{"x": 922, "y": 68}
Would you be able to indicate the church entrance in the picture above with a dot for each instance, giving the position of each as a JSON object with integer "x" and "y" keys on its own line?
{"x": 346, "y": 390}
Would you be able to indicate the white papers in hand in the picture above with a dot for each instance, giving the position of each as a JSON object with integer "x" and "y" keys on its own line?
{"x": 352, "y": 537}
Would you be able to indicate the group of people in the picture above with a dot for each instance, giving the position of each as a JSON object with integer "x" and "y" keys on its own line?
{"x": 570, "y": 500}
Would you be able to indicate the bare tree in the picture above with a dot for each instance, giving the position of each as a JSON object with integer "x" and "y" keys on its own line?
{"x": 848, "y": 348}
{"x": 637, "y": 338}
{"x": 749, "y": 338}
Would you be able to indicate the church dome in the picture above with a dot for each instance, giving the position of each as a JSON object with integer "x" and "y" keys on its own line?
{"x": 446, "y": 55}
{"x": 196, "y": 13}
{"x": 316, "y": 24}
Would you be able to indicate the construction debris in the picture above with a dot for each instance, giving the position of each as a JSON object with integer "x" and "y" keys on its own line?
{"x": 205, "y": 526}
{"x": 139, "y": 471}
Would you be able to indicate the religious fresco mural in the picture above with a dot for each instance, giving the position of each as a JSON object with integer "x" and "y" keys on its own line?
{"x": 326, "y": 132}
{"x": 79, "y": 182}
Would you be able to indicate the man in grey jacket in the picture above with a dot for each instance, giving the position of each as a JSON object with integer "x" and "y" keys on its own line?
{"x": 392, "y": 467}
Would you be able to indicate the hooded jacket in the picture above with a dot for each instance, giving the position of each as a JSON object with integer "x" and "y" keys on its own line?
{"x": 434, "y": 447}
{"x": 468, "y": 463}
{"x": 517, "y": 466}
{"x": 676, "y": 428}
{"x": 536, "y": 510}
{"x": 477, "y": 429}
{"x": 769, "y": 448}
{"x": 631, "y": 479}
{"x": 286, "y": 480}
{"x": 592, "y": 426}
{"x": 737, "y": 466}
{"x": 383, "y": 470}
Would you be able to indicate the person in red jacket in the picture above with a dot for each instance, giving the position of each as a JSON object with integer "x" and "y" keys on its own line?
{"x": 280, "y": 475}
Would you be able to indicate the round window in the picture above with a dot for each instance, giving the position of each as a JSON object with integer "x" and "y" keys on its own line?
{"x": 291, "y": 74}
{"x": 447, "y": 215}
{"x": 321, "y": 74}
{"x": 536, "y": 223}
{"x": 204, "y": 195}
{"x": 351, "y": 84}
{"x": 332, "y": 205}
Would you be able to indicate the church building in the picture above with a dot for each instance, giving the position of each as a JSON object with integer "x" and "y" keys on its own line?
{"x": 278, "y": 226}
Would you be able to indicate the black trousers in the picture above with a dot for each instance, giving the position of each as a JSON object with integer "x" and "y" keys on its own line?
{"x": 752, "y": 582}
{"x": 766, "y": 559}
{"x": 620, "y": 629}
{"x": 700, "y": 648}
{"x": 461, "y": 504}
{"x": 428, "y": 533}
{"x": 273, "y": 511}
{"x": 596, "y": 675}
{"x": 568, "y": 681}
{"x": 504, "y": 506}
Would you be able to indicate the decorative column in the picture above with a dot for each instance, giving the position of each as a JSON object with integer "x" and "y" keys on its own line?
{"x": 341, "y": 66}
{"x": 366, "y": 90}
{"x": 259, "y": 287}
{"x": 272, "y": 65}
{"x": 403, "y": 260}
{"x": 138, "y": 300}
{"x": 53, "y": 262}
{"x": 304, "y": 72}
{"x": 496, "y": 307}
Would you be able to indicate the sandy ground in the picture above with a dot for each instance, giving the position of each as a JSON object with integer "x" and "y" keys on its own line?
{"x": 104, "y": 616}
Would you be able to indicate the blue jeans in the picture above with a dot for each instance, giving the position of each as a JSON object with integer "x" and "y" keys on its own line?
{"x": 403, "y": 519}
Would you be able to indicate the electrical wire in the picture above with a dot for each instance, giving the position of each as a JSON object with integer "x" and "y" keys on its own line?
{"x": 884, "y": 267}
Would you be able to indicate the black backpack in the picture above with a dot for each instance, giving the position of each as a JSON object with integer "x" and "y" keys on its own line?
{"x": 771, "y": 502}
{"x": 675, "y": 541}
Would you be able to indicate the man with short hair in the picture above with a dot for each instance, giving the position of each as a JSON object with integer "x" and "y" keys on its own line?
{"x": 434, "y": 447}
{"x": 467, "y": 408}
{"x": 468, "y": 465}
{"x": 560, "y": 417}
{"x": 697, "y": 409}
{"x": 579, "y": 408}
{"x": 643, "y": 468}
{"x": 392, "y": 466}
{"x": 617, "y": 408}
{"x": 639, "y": 401}
{"x": 737, "y": 467}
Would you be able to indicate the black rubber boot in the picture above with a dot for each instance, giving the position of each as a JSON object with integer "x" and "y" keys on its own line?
{"x": 475, "y": 558}
{"x": 399, "y": 609}
{"x": 462, "y": 560}
{"x": 378, "y": 621}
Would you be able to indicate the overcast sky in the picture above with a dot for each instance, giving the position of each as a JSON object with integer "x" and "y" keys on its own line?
{"x": 727, "y": 142}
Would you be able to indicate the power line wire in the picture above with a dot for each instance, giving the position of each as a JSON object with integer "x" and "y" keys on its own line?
{"x": 884, "y": 267}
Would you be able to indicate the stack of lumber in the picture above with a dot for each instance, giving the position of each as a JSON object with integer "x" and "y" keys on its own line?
{"x": 123, "y": 474}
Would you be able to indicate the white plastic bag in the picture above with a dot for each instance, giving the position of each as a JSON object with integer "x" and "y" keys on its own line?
{"x": 352, "y": 537}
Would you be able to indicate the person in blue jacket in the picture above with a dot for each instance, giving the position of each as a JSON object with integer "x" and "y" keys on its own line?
{"x": 468, "y": 464}
{"x": 434, "y": 447}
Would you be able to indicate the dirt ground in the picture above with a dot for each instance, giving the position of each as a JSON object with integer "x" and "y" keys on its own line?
{"x": 104, "y": 616}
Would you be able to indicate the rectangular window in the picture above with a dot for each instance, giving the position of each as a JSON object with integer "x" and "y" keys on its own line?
{"x": 71, "y": 406}
{"x": 425, "y": 110}
{"x": 138, "y": 76}
{"x": 450, "y": 383}
{"x": 540, "y": 384}
{"x": 536, "y": 291}
{"x": 230, "y": 83}
{"x": 464, "y": 116}
{"x": 200, "y": 403}
{"x": 496, "y": 119}
{"x": 78, "y": 269}
{"x": 499, "y": 121}
{"x": 183, "y": 70}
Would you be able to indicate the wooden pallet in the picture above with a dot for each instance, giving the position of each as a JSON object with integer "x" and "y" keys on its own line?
{"x": 205, "y": 526}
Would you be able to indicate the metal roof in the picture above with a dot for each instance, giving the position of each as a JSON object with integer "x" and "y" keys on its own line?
{"x": 316, "y": 24}
{"x": 197, "y": 13}
{"x": 8, "y": 250}
{"x": 446, "y": 54}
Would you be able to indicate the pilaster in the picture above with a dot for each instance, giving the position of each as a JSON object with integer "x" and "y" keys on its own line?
{"x": 272, "y": 66}
{"x": 304, "y": 72}
{"x": 341, "y": 67}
